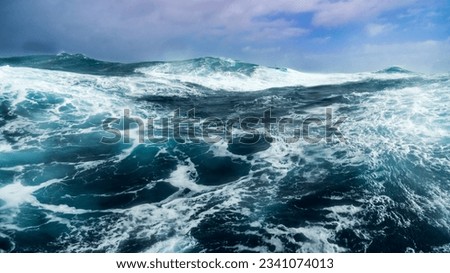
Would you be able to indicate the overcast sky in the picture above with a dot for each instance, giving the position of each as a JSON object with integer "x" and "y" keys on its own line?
{"x": 309, "y": 35}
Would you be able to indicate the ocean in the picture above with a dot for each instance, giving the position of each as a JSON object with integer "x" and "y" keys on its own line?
{"x": 218, "y": 155}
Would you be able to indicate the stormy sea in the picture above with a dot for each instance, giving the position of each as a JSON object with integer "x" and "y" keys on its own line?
{"x": 218, "y": 155}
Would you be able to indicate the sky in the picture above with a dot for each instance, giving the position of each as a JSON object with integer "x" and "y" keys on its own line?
{"x": 308, "y": 35}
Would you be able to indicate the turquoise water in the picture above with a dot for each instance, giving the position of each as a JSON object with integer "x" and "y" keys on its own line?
{"x": 383, "y": 186}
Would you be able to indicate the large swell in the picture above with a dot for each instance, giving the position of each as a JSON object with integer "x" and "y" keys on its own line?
{"x": 386, "y": 188}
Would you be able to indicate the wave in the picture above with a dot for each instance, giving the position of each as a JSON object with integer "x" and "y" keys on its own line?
{"x": 388, "y": 182}
{"x": 77, "y": 63}
{"x": 394, "y": 69}
{"x": 208, "y": 72}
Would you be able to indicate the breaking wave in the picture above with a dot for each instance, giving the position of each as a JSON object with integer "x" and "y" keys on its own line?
{"x": 385, "y": 189}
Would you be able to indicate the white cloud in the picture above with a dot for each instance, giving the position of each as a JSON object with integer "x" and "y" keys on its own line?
{"x": 233, "y": 16}
{"x": 321, "y": 40}
{"x": 377, "y": 29}
{"x": 333, "y": 13}
{"x": 264, "y": 50}
{"x": 426, "y": 55}
{"x": 421, "y": 56}
{"x": 255, "y": 29}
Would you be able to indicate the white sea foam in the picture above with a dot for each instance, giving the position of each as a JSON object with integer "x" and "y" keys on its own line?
{"x": 319, "y": 239}
{"x": 262, "y": 77}
{"x": 16, "y": 194}
{"x": 409, "y": 123}
{"x": 184, "y": 177}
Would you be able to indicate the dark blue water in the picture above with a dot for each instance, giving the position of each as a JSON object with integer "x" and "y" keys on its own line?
{"x": 350, "y": 162}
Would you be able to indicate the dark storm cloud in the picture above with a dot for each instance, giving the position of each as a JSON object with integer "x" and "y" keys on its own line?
{"x": 96, "y": 28}
{"x": 119, "y": 30}
{"x": 22, "y": 31}
{"x": 39, "y": 47}
{"x": 136, "y": 29}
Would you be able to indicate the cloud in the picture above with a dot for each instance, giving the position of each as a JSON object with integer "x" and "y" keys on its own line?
{"x": 377, "y": 29}
{"x": 334, "y": 13}
{"x": 264, "y": 50}
{"x": 421, "y": 56}
{"x": 39, "y": 46}
{"x": 236, "y": 14}
{"x": 321, "y": 40}
{"x": 284, "y": 32}
{"x": 135, "y": 30}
